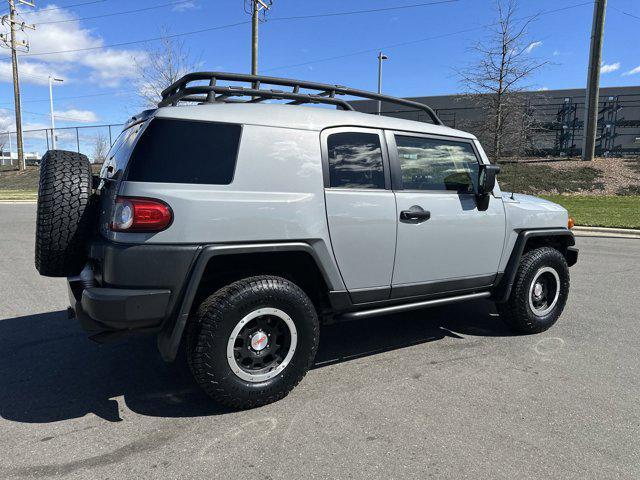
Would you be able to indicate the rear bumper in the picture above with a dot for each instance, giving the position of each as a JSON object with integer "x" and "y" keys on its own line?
{"x": 118, "y": 309}
{"x": 104, "y": 309}
{"x": 129, "y": 287}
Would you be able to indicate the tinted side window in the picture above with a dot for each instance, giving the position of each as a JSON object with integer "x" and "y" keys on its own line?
{"x": 355, "y": 160}
{"x": 182, "y": 151}
{"x": 430, "y": 164}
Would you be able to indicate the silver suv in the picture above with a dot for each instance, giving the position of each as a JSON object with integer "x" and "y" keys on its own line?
{"x": 235, "y": 227}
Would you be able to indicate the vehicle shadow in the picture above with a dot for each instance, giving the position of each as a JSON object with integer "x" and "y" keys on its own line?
{"x": 51, "y": 372}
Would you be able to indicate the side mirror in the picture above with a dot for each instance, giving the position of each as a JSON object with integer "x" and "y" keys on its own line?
{"x": 487, "y": 178}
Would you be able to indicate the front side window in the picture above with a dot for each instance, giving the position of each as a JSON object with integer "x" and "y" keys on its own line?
{"x": 355, "y": 160}
{"x": 432, "y": 164}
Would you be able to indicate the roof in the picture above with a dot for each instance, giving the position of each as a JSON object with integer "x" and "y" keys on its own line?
{"x": 298, "y": 117}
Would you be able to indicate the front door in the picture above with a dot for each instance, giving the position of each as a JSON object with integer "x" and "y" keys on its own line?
{"x": 446, "y": 243}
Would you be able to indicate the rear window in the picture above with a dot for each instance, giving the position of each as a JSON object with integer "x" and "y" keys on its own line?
{"x": 183, "y": 151}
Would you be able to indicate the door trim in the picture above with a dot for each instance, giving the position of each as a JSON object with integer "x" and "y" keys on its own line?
{"x": 366, "y": 295}
{"x": 419, "y": 290}
{"x": 442, "y": 286}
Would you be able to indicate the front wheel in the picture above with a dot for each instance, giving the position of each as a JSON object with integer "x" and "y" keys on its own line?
{"x": 539, "y": 292}
{"x": 252, "y": 342}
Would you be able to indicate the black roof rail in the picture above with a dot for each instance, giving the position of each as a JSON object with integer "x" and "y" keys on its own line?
{"x": 181, "y": 91}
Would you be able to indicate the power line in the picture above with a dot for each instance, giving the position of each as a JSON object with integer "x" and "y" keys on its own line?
{"x": 125, "y": 12}
{"x": 420, "y": 40}
{"x": 355, "y": 12}
{"x": 134, "y": 42}
{"x": 360, "y": 52}
{"x": 193, "y": 32}
{"x": 231, "y": 25}
{"x": 63, "y": 7}
{"x": 74, "y": 97}
{"x": 68, "y": 119}
{"x": 625, "y": 13}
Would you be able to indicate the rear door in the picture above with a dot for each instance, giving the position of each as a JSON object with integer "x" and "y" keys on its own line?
{"x": 361, "y": 209}
{"x": 447, "y": 242}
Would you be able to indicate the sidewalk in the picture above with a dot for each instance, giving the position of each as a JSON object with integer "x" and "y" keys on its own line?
{"x": 606, "y": 232}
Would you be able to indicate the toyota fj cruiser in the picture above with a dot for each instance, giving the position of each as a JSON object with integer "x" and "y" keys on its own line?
{"x": 236, "y": 226}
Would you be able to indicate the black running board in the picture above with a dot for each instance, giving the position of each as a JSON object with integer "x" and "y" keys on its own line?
{"x": 412, "y": 306}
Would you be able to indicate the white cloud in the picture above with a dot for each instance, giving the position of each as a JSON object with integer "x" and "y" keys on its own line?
{"x": 543, "y": 89}
{"x": 78, "y": 116}
{"x": 108, "y": 67}
{"x": 532, "y": 46}
{"x": 556, "y": 53}
{"x": 633, "y": 71}
{"x": 181, "y": 7}
{"x": 609, "y": 67}
{"x": 7, "y": 120}
{"x": 31, "y": 72}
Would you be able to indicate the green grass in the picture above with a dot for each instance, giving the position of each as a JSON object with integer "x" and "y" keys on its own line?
{"x": 26, "y": 180}
{"x": 601, "y": 211}
{"x": 537, "y": 177}
{"x": 16, "y": 194}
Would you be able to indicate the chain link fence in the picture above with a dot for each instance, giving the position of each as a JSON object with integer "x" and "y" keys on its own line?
{"x": 93, "y": 141}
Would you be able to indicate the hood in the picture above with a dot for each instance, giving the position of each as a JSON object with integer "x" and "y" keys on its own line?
{"x": 527, "y": 211}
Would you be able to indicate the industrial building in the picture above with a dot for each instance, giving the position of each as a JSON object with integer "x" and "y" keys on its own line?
{"x": 557, "y": 118}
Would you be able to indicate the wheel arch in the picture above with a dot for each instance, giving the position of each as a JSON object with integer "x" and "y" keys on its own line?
{"x": 219, "y": 265}
{"x": 562, "y": 239}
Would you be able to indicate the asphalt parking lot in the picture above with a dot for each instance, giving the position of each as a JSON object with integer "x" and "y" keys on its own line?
{"x": 443, "y": 393}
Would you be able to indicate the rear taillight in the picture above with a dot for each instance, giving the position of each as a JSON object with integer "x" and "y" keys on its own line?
{"x": 140, "y": 215}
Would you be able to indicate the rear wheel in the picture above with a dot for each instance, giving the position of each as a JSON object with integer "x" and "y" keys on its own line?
{"x": 65, "y": 215}
{"x": 252, "y": 342}
{"x": 539, "y": 291}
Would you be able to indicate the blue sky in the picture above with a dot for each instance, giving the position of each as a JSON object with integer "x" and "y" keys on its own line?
{"x": 421, "y": 67}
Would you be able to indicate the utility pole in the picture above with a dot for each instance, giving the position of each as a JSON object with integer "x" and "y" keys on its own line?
{"x": 13, "y": 44}
{"x": 257, "y": 7}
{"x": 254, "y": 37}
{"x": 593, "y": 81}
{"x": 381, "y": 57}
{"x": 53, "y": 124}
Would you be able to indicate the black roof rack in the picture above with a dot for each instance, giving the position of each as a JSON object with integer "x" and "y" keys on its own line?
{"x": 181, "y": 91}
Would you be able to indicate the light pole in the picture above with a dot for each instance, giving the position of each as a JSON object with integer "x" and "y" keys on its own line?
{"x": 53, "y": 124}
{"x": 381, "y": 57}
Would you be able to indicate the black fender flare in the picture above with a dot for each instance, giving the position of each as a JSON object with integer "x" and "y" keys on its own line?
{"x": 170, "y": 336}
{"x": 502, "y": 290}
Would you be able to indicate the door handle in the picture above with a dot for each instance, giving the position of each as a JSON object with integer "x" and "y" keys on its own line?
{"x": 415, "y": 214}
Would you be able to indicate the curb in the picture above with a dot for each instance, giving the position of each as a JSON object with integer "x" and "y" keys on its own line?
{"x": 606, "y": 232}
{"x": 9, "y": 202}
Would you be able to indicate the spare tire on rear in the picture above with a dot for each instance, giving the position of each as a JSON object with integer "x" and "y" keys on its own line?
{"x": 65, "y": 215}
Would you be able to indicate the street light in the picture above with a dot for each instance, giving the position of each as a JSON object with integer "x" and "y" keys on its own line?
{"x": 53, "y": 125}
{"x": 381, "y": 57}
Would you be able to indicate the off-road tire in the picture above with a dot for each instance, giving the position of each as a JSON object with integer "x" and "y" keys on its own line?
{"x": 209, "y": 331}
{"x": 516, "y": 312}
{"x": 65, "y": 216}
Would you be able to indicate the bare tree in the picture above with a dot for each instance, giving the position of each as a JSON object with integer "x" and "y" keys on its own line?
{"x": 163, "y": 66}
{"x": 100, "y": 148}
{"x": 504, "y": 64}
